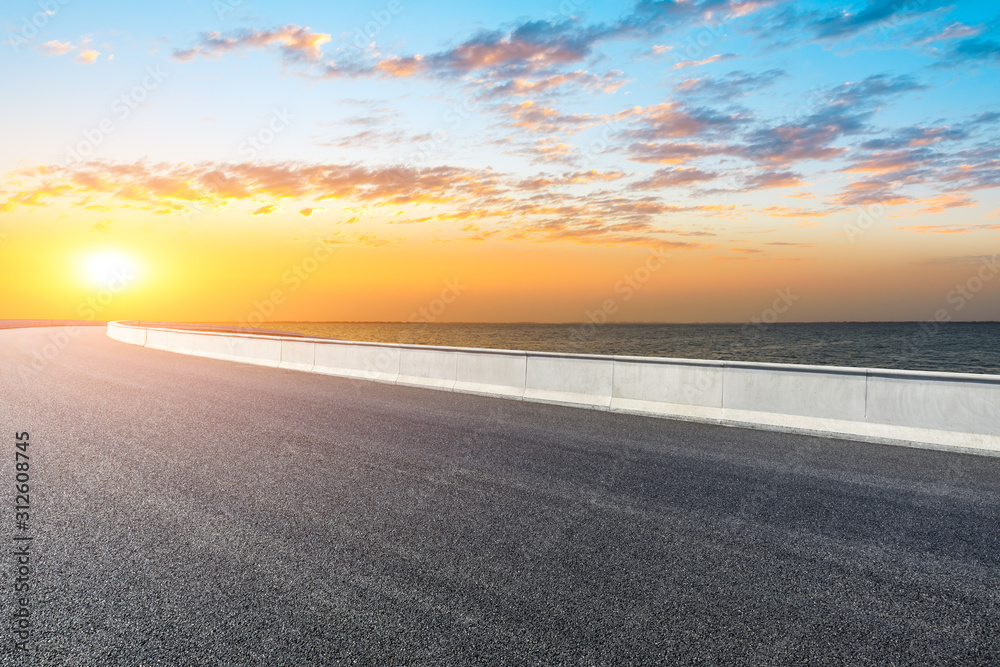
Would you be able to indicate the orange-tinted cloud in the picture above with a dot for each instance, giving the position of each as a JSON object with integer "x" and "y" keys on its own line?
{"x": 536, "y": 118}
{"x": 87, "y": 57}
{"x": 295, "y": 43}
{"x": 944, "y": 202}
{"x": 665, "y": 178}
{"x": 791, "y": 212}
{"x": 704, "y": 61}
{"x": 543, "y": 209}
{"x": 671, "y": 120}
{"x": 579, "y": 79}
{"x": 866, "y": 192}
{"x": 946, "y": 229}
{"x": 765, "y": 180}
{"x": 401, "y": 67}
{"x": 57, "y": 48}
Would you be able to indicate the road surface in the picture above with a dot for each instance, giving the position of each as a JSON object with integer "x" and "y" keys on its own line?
{"x": 188, "y": 511}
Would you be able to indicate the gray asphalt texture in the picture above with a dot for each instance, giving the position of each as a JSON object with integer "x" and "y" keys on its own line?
{"x": 198, "y": 512}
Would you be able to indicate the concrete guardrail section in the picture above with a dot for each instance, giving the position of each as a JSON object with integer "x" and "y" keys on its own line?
{"x": 917, "y": 408}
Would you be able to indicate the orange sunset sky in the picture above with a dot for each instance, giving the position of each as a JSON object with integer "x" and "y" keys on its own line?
{"x": 300, "y": 161}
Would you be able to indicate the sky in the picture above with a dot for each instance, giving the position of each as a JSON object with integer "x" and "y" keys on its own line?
{"x": 552, "y": 161}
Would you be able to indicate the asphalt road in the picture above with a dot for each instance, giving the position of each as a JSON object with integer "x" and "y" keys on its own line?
{"x": 196, "y": 512}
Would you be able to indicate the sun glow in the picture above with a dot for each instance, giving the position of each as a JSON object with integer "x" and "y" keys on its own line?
{"x": 110, "y": 269}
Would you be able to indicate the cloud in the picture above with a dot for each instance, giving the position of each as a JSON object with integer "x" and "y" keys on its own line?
{"x": 872, "y": 191}
{"x": 295, "y": 43}
{"x": 583, "y": 80}
{"x": 840, "y": 111}
{"x": 531, "y": 46}
{"x": 915, "y": 137}
{"x": 536, "y": 118}
{"x": 670, "y": 120}
{"x": 704, "y": 61}
{"x": 544, "y": 181}
{"x": 102, "y": 226}
{"x": 87, "y": 57}
{"x": 920, "y": 155}
{"x": 401, "y": 67}
{"x": 844, "y": 23}
{"x": 973, "y": 51}
{"x": 592, "y": 175}
{"x": 899, "y": 163}
{"x": 542, "y": 211}
{"x": 732, "y": 85}
{"x": 308, "y": 211}
{"x": 845, "y": 112}
{"x": 791, "y": 212}
{"x": 771, "y": 179}
{"x": 954, "y": 30}
{"x": 548, "y": 150}
{"x": 960, "y": 260}
{"x": 946, "y": 229}
{"x": 944, "y": 202}
{"x": 56, "y": 48}
{"x": 84, "y": 55}
{"x": 676, "y": 152}
{"x": 664, "y": 178}
{"x": 527, "y": 48}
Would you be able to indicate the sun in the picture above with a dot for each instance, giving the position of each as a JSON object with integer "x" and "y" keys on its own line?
{"x": 110, "y": 269}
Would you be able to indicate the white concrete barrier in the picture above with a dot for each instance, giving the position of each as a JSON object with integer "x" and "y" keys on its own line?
{"x": 298, "y": 355}
{"x": 670, "y": 387}
{"x": 256, "y": 350}
{"x": 132, "y": 335}
{"x": 496, "y": 372}
{"x": 943, "y": 410}
{"x": 942, "y": 401}
{"x": 179, "y": 341}
{"x": 214, "y": 347}
{"x": 815, "y": 398}
{"x": 366, "y": 361}
{"x": 156, "y": 339}
{"x": 577, "y": 379}
{"x": 427, "y": 367}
